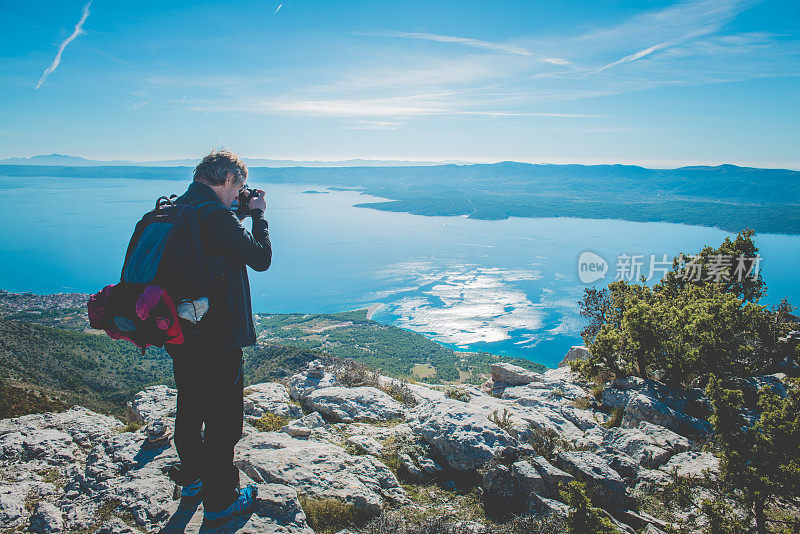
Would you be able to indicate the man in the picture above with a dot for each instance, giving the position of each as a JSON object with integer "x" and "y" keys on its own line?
{"x": 208, "y": 366}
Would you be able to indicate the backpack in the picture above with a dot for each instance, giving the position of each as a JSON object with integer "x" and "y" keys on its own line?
{"x": 160, "y": 270}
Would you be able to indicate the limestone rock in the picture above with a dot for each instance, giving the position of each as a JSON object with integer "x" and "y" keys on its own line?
{"x": 319, "y": 469}
{"x": 354, "y": 404}
{"x": 270, "y": 397}
{"x": 692, "y": 464}
{"x": 649, "y": 445}
{"x": 641, "y": 408}
{"x": 155, "y": 402}
{"x": 365, "y": 444}
{"x": 576, "y": 352}
{"x": 498, "y": 483}
{"x": 553, "y": 476}
{"x": 301, "y": 384}
{"x": 302, "y": 427}
{"x": 513, "y": 375}
{"x": 46, "y": 518}
{"x": 459, "y": 432}
{"x": 528, "y": 480}
{"x": 592, "y": 469}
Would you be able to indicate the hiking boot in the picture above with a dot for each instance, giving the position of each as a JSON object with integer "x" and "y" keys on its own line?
{"x": 192, "y": 490}
{"x": 242, "y": 505}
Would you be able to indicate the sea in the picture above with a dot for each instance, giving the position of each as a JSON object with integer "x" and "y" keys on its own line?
{"x": 510, "y": 287}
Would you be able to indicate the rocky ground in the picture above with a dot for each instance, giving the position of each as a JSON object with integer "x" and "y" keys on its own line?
{"x": 474, "y": 454}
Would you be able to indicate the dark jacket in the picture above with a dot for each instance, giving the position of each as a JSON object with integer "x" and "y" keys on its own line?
{"x": 229, "y": 248}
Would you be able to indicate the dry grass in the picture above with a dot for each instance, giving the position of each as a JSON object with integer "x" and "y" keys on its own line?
{"x": 399, "y": 391}
{"x": 615, "y": 420}
{"x": 503, "y": 421}
{"x": 456, "y": 393}
{"x": 330, "y": 515}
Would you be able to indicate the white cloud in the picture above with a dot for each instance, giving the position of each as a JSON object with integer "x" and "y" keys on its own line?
{"x": 74, "y": 35}
{"x": 495, "y": 47}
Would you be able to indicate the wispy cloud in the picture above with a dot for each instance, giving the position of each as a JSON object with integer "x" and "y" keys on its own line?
{"x": 277, "y": 8}
{"x": 496, "y": 47}
{"x": 669, "y": 27}
{"x": 75, "y": 33}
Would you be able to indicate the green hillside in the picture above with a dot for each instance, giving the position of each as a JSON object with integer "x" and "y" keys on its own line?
{"x": 50, "y": 358}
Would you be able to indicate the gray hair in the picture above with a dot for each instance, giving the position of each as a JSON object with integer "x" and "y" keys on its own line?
{"x": 214, "y": 168}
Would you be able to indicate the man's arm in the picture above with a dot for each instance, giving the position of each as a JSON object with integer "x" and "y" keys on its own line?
{"x": 230, "y": 239}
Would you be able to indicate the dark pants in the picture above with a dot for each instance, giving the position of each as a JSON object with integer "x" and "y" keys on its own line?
{"x": 209, "y": 382}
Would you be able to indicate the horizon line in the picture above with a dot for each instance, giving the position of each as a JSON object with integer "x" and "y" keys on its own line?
{"x": 648, "y": 164}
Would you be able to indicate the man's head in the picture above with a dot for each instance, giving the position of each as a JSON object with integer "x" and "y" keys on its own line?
{"x": 224, "y": 172}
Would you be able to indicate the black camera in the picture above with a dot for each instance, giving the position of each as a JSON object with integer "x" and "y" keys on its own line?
{"x": 240, "y": 204}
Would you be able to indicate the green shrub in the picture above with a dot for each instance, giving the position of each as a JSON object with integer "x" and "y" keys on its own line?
{"x": 545, "y": 441}
{"x": 583, "y": 403}
{"x": 759, "y": 464}
{"x": 269, "y": 422}
{"x": 685, "y": 327}
{"x": 721, "y": 518}
{"x": 677, "y": 493}
{"x": 583, "y": 517}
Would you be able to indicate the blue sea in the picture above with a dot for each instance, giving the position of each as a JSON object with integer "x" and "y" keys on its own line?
{"x": 509, "y": 287}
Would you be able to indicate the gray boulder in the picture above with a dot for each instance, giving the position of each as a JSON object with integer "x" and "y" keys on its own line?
{"x": 459, "y": 432}
{"x": 576, "y": 352}
{"x": 304, "y": 426}
{"x": 648, "y": 445}
{"x": 301, "y": 384}
{"x": 527, "y": 480}
{"x": 319, "y": 469}
{"x": 46, "y": 518}
{"x": 155, "y": 402}
{"x": 498, "y": 483}
{"x": 553, "y": 476}
{"x": 270, "y": 397}
{"x": 641, "y": 408}
{"x": 513, "y": 375}
{"x": 365, "y": 444}
{"x": 354, "y": 404}
{"x": 692, "y": 464}
{"x": 627, "y": 467}
{"x": 593, "y": 470}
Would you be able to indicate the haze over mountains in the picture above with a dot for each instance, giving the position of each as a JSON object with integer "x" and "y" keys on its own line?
{"x": 726, "y": 196}
{"x": 77, "y": 161}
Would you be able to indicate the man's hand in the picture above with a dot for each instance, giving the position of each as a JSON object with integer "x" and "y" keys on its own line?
{"x": 259, "y": 202}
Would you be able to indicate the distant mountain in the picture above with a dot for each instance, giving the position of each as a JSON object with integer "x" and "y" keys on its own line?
{"x": 75, "y": 161}
{"x": 51, "y": 159}
{"x": 725, "y": 196}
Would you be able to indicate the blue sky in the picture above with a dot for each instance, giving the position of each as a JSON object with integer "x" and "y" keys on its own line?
{"x": 648, "y": 82}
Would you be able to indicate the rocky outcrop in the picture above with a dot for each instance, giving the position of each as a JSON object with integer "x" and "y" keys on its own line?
{"x": 155, "y": 402}
{"x": 354, "y": 404}
{"x": 303, "y": 427}
{"x": 319, "y": 469}
{"x": 75, "y": 470}
{"x": 513, "y": 375}
{"x": 590, "y": 468}
{"x": 270, "y": 397}
{"x": 314, "y": 377}
{"x": 460, "y": 433}
{"x": 576, "y": 352}
{"x": 642, "y": 408}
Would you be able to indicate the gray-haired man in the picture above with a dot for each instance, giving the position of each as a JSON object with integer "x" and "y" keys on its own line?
{"x": 208, "y": 366}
